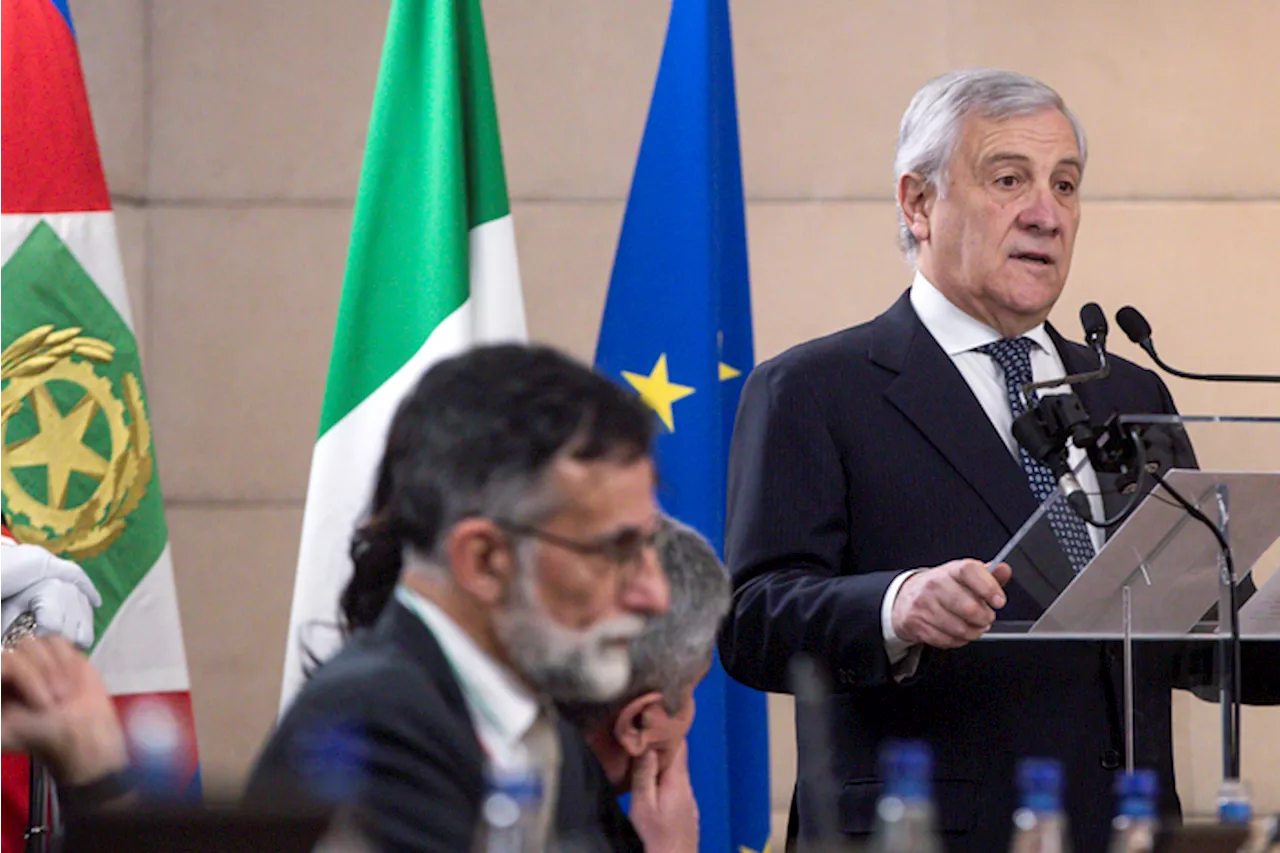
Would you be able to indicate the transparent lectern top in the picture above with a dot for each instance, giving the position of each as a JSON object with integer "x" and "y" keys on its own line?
{"x": 1169, "y": 561}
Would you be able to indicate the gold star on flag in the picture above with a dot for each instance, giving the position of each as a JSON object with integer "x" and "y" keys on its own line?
{"x": 727, "y": 372}
{"x": 59, "y": 445}
{"x": 659, "y": 391}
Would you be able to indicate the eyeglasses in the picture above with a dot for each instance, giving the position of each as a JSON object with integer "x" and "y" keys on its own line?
{"x": 624, "y": 549}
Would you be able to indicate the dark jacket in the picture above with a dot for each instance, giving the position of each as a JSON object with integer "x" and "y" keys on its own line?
{"x": 384, "y": 728}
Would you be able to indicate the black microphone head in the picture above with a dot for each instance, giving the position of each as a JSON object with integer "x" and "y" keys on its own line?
{"x": 1094, "y": 322}
{"x": 1134, "y": 324}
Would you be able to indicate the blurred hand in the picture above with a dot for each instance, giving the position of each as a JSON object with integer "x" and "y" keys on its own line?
{"x": 663, "y": 809}
{"x": 56, "y": 591}
{"x": 949, "y": 605}
{"x": 56, "y": 707}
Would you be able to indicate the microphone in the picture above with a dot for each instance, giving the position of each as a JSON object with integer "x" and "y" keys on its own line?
{"x": 1094, "y": 322}
{"x": 1138, "y": 330}
{"x": 1045, "y": 428}
{"x": 1095, "y": 335}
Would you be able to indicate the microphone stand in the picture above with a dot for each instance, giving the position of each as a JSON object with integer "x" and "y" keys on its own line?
{"x": 1229, "y": 665}
{"x": 1103, "y": 371}
{"x": 1138, "y": 330}
{"x": 1206, "y": 377}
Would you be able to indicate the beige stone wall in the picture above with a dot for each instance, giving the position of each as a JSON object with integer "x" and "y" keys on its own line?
{"x": 232, "y": 133}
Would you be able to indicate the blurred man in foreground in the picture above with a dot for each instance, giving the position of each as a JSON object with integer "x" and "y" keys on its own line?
{"x": 513, "y": 524}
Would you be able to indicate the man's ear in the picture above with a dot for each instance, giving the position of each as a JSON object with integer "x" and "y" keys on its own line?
{"x": 481, "y": 559}
{"x": 631, "y": 728}
{"x": 915, "y": 198}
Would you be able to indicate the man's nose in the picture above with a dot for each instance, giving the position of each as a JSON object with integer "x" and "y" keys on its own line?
{"x": 647, "y": 591}
{"x": 1041, "y": 213}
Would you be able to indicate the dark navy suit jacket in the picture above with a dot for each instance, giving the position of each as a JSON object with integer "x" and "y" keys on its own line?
{"x": 860, "y": 455}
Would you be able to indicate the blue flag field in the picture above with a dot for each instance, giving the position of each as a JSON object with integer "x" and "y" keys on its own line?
{"x": 677, "y": 329}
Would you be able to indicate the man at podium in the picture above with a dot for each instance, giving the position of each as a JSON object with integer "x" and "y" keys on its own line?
{"x": 873, "y": 470}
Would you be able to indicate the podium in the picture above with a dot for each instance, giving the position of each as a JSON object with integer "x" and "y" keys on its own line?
{"x": 1163, "y": 573}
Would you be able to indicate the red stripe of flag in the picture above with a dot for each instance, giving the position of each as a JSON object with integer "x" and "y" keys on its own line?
{"x": 50, "y": 153}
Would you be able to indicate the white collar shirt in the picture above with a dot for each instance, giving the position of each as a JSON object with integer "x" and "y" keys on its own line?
{"x": 960, "y": 335}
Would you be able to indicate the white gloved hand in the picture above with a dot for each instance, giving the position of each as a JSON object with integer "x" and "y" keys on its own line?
{"x": 57, "y": 592}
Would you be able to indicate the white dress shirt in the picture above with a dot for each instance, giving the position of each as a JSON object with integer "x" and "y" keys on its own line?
{"x": 502, "y": 709}
{"x": 960, "y": 335}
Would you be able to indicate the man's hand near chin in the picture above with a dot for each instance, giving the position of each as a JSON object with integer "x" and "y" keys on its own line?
{"x": 663, "y": 809}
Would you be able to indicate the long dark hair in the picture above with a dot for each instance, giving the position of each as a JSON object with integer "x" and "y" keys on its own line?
{"x": 477, "y": 429}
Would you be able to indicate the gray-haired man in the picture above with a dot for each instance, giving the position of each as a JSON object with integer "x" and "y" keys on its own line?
{"x": 872, "y": 472}
{"x": 640, "y": 737}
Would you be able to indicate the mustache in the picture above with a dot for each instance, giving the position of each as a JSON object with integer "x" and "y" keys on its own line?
{"x": 621, "y": 629}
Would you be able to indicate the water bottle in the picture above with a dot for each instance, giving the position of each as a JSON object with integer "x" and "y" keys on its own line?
{"x": 1039, "y": 824}
{"x": 511, "y": 811}
{"x": 904, "y": 814}
{"x": 1234, "y": 805}
{"x": 1134, "y": 827}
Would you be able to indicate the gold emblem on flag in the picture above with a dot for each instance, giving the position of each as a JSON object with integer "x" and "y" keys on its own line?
{"x": 30, "y": 368}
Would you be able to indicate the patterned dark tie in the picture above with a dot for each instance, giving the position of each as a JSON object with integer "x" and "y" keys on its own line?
{"x": 1014, "y": 358}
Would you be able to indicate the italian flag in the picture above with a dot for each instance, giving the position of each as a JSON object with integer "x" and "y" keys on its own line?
{"x": 79, "y": 472}
{"x": 431, "y": 270}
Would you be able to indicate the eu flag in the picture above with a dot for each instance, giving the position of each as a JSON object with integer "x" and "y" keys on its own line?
{"x": 677, "y": 328}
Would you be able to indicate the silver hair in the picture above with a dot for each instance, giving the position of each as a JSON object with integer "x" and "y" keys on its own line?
{"x": 931, "y": 126}
{"x": 675, "y": 649}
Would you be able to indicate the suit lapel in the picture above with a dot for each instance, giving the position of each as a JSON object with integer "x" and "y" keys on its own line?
{"x": 400, "y": 627}
{"x": 932, "y": 394}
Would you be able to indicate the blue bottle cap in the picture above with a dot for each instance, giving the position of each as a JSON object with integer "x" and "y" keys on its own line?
{"x": 1040, "y": 784}
{"x": 1137, "y": 792}
{"x": 906, "y": 767}
{"x": 1139, "y": 783}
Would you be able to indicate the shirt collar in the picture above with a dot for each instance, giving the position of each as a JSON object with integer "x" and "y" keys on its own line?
{"x": 954, "y": 330}
{"x": 491, "y": 691}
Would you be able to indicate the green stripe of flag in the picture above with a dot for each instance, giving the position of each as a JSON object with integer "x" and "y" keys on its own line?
{"x": 44, "y": 284}
{"x": 432, "y": 172}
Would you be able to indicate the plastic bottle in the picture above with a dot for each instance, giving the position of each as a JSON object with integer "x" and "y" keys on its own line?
{"x": 510, "y": 812}
{"x": 1234, "y": 804}
{"x": 1135, "y": 824}
{"x": 904, "y": 814}
{"x": 1039, "y": 824}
